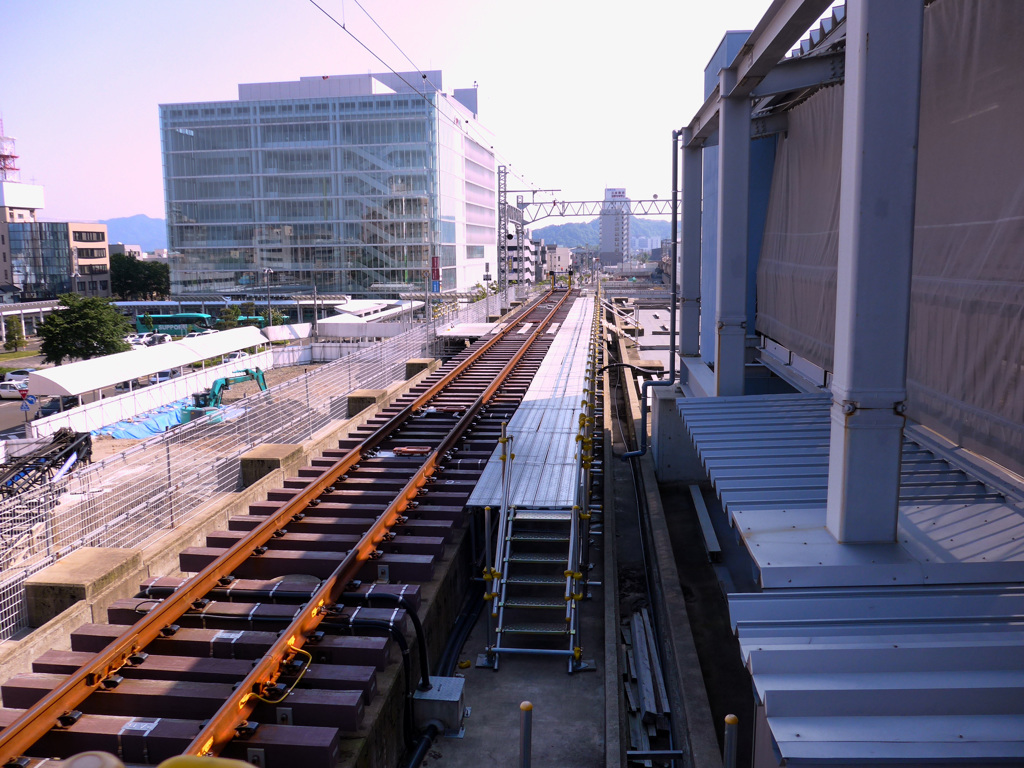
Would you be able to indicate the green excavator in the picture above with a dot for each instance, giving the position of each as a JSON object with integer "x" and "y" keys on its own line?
{"x": 210, "y": 400}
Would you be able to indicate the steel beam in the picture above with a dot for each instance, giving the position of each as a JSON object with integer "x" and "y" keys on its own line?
{"x": 652, "y": 207}
{"x": 876, "y": 240}
{"x": 779, "y": 29}
{"x": 773, "y": 37}
{"x": 798, "y": 74}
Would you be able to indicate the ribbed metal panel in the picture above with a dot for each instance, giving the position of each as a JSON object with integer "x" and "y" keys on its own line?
{"x": 767, "y": 457}
{"x": 545, "y": 426}
{"x": 916, "y": 675}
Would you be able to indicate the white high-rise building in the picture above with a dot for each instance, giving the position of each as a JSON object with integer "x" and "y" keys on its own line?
{"x": 614, "y": 227}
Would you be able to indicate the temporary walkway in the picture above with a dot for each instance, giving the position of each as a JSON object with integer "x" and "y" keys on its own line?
{"x": 545, "y": 426}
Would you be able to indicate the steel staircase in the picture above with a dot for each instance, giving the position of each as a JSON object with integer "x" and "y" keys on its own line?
{"x": 541, "y": 556}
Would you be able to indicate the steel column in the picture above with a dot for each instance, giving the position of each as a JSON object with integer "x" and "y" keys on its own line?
{"x": 502, "y": 234}
{"x": 733, "y": 193}
{"x": 689, "y": 249}
{"x": 876, "y": 240}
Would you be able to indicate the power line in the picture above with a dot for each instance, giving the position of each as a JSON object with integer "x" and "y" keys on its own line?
{"x": 397, "y": 46}
{"x": 468, "y": 124}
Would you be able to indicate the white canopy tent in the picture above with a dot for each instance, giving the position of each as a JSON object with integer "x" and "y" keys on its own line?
{"x": 346, "y": 326}
{"x": 102, "y": 372}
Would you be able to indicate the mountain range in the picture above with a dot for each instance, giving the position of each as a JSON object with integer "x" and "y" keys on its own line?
{"x": 575, "y": 234}
{"x": 141, "y": 230}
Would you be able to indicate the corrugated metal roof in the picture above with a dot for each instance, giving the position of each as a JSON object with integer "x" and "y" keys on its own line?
{"x": 909, "y": 652}
{"x": 922, "y": 675}
{"x": 767, "y": 457}
{"x": 545, "y": 426}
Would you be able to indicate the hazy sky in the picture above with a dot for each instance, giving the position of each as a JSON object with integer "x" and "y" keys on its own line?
{"x": 579, "y": 94}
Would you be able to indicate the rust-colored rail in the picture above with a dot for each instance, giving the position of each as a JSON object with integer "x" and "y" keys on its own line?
{"x": 36, "y": 721}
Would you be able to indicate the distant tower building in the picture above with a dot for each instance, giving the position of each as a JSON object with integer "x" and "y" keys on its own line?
{"x": 614, "y": 227}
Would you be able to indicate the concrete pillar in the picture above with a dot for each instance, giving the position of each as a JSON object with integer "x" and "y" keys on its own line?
{"x": 733, "y": 192}
{"x": 361, "y": 399}
{"x": 265, "y": 458}
{"x": 689, "y": 249}
{"x": 876, "y": 239}
{"x": 417, "y": 364}
{"x": 3, "y": 328}
{"x": 21, "y": 316}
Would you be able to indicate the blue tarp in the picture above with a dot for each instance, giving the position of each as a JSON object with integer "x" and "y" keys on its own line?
{"x": 145, "y": 425}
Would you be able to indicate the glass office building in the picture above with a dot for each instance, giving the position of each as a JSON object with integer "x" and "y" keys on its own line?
{"x": 41, "y": 263}
{"x": 358, "y": 184}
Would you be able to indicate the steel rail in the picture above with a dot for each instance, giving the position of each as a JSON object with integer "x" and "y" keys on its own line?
{"x": 223, "y": 726}
{"x": 36, "y": 721}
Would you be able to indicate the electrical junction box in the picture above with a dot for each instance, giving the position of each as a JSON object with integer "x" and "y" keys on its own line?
{"x": 444, "y": 702}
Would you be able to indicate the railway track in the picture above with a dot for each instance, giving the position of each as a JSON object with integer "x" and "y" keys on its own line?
{"x": 271, "y": 651}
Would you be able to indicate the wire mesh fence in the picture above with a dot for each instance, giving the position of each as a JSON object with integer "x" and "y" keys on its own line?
{"x": 151, "y": 489}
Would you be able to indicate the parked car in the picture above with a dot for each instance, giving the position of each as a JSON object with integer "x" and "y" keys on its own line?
{"x": 19, "y": 375}
{"x": 161, "y": 376}
{"x": 235, "y": 357}
{"x": 11, "y": 390}
{"x": 56, "y": 405}
{"x": 158, "y": 338}
{"x": 135, "y": 339}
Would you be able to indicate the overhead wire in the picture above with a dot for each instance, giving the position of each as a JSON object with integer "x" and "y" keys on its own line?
{"x": 467, "y": 126}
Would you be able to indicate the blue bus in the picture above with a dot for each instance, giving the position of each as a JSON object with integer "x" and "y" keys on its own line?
{"x": 176, "y": 325}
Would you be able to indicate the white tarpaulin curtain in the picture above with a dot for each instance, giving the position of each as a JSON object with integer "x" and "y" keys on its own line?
{"x": 966, "y": 357}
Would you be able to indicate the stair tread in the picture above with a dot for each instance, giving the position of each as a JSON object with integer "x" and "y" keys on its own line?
{"x": 537, "y": 557}
{"x": 540, "y": 514}
{"x": 526, "y": 602}
{"x": 535, "y": 580}
{"x": 533, "y": 628}
{"x": 539, "y": 536}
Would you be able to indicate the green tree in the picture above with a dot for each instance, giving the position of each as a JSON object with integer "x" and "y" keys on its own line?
{"x": 84, "y": 329}
{"x": 279, "y": 318}
{"x": 228, "y": 318}
{"x": 157, "y": 280}
{"x": 147, "y": 322}
{"x": 132, "y": 279}
{"x": 15, "y": 336}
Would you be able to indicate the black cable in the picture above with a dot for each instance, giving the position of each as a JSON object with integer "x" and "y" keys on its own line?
{"x": 463, "y": 627}
{"x": 343, "y": 622}
{"x": 421, "y": 637}
{"x": 414, "y": 90}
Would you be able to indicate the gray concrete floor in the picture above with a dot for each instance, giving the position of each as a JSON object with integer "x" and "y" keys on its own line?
{"x": 568, "y": 710}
